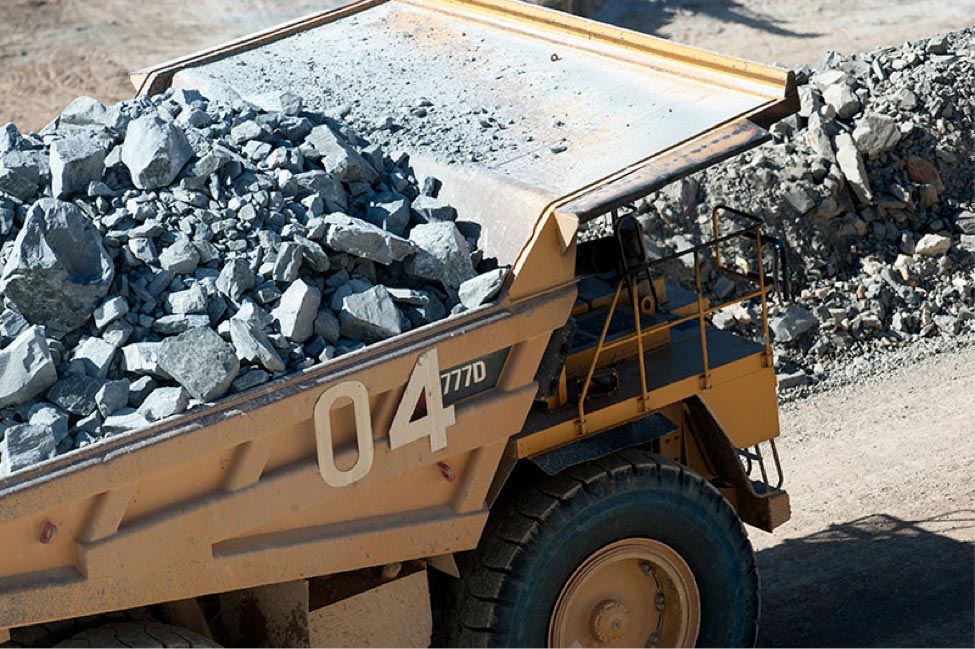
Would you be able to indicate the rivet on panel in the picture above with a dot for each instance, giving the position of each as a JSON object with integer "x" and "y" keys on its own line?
{"x": 447, "y": 473}
{"x": 48, "y": 533}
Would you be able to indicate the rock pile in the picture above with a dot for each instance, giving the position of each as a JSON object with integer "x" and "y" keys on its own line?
{"x": 162, "y": 253}
{"x": 871, "y": 185}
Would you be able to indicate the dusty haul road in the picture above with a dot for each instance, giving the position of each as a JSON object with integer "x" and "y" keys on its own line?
{"x": 880, "y": 550}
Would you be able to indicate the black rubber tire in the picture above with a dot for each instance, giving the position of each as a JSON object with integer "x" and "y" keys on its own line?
{"x": 137, "y": 634}
{"x": 536, "y": 538}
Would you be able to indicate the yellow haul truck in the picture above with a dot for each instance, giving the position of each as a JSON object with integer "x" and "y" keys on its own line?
{"x": 570, "y": 465}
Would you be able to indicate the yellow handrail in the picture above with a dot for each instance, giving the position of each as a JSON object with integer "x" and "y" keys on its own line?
{"x": 701, "y": 314}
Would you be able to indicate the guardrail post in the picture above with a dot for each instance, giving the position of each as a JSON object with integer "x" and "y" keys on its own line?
{"x": 701, "y": 321}
{"x": 635, "y": 295}
{"x": 768, "y": 360}
{"x": 581, "y": 422}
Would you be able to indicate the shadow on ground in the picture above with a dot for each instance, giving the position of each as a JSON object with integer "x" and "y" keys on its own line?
{"x": 875, "y": 581}
{"x": 649, "y": 16}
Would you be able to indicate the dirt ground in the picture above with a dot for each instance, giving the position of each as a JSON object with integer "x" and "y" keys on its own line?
{"x": 881, "y": 547}
{"x": 880, "y": 550}
{"x": 52, "y": 51}
{"x": 785, "y": 31}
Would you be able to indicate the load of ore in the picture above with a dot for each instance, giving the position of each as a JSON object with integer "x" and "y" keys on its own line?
{"x": 164, "y": 252}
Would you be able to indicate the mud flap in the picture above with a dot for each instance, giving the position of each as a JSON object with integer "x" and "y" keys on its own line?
{"x": 763, "y": 509}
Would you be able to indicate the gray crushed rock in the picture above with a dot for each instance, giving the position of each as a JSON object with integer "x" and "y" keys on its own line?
{"x": 370, "y": 316}
{"x": 874, "y": 199}
{"x": 442, "y": 254}
{"x": 154, "y": 151}
{"x": 24, "y": 445}
{"x": 163, "y": 403}
{"x": 58, "y": 270}
{"x": 26, "y": 368}
{"x": 200, "y": 361}
{"x": 481, "y": 289}
{"x": 164, "y": 252}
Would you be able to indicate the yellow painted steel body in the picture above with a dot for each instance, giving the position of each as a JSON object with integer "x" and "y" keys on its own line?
{"x": 232, "y": 495}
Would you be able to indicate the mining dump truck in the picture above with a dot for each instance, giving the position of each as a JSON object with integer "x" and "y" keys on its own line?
{"x": 569, "y": 465}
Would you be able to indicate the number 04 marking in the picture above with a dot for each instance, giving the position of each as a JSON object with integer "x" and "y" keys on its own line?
{"x": 425, "y": 382}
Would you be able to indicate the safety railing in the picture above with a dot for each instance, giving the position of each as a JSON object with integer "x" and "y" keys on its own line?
{"x": 630, "y": 279}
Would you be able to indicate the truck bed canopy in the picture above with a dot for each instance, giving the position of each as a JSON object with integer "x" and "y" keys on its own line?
{"x": 530, "y": 107}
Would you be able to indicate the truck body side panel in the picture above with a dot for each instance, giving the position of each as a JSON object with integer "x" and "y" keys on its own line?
{"x": 236, "y": 498}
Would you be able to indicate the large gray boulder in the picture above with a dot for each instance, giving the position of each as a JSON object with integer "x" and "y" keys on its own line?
{"x": 287, "y": 265}
{"x": 235, "y": 279}
{"x": 338, "y": 158}
{"x": 92, "y": 357}
{"x": 876, "y": 134}
{"x": 75, "y": 162}
{"x": 85, "y": 111}
{"x": 143, "y": 358}
{"x": 154, "y": 152}
{"x": 76, "y": 393}
{"x": 201, "y": 362}
{"x": 430, "y": 210}
{"x": 26, "y": 368}
{"x": 324, "y": 185}
{"x": 297, "y": 311}
{"x": 795, "y": 321}
{"x": 853, "y": 168}
{"x": 163, "y": 403}
{"x": 112, "y": 396}
{"x": 181, "y": 258}
{"x": 24, "y": 445}
{"x": 20, "y": 174}
{"x": 357, "y": 237}
{"x": 45, "y": 414}
{"x": 442, "y": 254}
{"x": 253, "y": 346}
{"x": 123, "y": 421}
{"x": 370, "y": 316}
{"x": 59, "y": 270}
{"x": 841, "y": 100}
{"x": 481, "y": 289}
{"x": 391, "y": 213}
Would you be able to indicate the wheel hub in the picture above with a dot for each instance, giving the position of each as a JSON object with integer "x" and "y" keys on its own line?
{"x": 610, "y": 621}
{"x": 632, "y": 593}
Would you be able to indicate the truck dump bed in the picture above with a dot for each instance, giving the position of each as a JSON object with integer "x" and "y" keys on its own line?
{"x": 233, "y": 495}
{"x": 509, "y": 86}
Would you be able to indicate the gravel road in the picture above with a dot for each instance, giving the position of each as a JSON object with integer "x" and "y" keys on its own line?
{"x": 880, "y": 550}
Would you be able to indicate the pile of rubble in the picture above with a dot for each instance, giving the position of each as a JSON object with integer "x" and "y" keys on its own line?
{"x": 162, "y": 253}
{"x": 871, "y": 185}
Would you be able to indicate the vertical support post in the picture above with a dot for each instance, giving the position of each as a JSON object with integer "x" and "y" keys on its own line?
{"x": 764, "y": 292}
{"x": 581, "y": 423}
{"x": 701, "y": 321}
{"x": 635, "y": 298}
{"x": 716, "y": 230}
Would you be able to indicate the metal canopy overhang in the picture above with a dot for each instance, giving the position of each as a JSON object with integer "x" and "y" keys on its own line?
{"x": 709, "y": 149}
